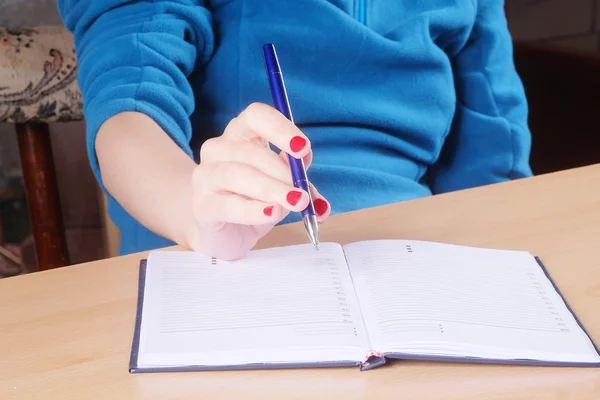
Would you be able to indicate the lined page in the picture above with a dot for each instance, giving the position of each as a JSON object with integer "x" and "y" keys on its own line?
{"x": 432, "y": 298}
{"x": 288, "y": 304}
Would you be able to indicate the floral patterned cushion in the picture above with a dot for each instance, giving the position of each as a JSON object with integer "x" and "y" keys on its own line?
{"x": 38, "y": 71}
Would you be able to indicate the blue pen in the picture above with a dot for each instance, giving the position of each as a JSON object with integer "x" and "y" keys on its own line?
{"x": 282, "y": 104}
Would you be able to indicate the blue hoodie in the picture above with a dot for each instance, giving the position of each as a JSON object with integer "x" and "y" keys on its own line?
{"x": 400, "y": 99}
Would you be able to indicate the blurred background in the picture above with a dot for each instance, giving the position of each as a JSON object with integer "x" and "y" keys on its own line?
{"x": 42, "y": 141}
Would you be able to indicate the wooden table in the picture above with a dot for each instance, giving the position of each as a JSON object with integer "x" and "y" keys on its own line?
{"x": 66, "y": 333}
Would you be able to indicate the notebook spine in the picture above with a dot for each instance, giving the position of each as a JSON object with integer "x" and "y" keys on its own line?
{"x": 372, "y": 360}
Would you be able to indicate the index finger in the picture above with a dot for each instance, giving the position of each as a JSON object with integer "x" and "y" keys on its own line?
{"x": 263, "y": 121}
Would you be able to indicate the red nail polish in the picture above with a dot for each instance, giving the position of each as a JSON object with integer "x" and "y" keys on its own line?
{"x": 321, "y": 206}
{"x": 297, "y": 143}
{"x": 293, "y": 197}
{"x": 268, "y": 211}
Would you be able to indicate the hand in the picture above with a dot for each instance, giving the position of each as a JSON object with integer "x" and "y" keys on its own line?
{"x": 241, "y": 188}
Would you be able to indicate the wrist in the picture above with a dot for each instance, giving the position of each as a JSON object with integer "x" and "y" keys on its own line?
{"x": 182, "y": 226}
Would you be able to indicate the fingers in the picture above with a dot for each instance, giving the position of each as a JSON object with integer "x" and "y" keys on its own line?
{"x": 245, "y": 180}
{"x": 240, "y": 180}
{"x": 262, "y": 158}
{"x": 307, "y": 159}
{"x": 234, "y": 209}
{"x": 262, "y": 121}
{"x": 321, "y": 205}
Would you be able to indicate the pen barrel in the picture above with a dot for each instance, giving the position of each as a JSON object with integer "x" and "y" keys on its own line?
{"x": 278, "y": 90}
{"x": 301, "y": 182}
{"x": 281, "y": 103}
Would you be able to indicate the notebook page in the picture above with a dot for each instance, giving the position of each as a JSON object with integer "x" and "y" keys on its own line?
{"x": 438, "y": 299}
{"x": 290, "y": 304}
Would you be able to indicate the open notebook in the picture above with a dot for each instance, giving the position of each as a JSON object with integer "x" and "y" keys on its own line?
{"x": 356, "y": 305}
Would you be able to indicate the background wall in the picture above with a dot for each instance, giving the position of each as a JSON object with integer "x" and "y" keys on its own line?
{"x": 573, "y": 24}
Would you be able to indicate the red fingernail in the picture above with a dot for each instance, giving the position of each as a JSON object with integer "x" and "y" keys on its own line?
{"x": 268, "y": 211}
{"x": 297, "y": 143}
{"x": 321, "y": 206}
{"x": 293, "y": 197}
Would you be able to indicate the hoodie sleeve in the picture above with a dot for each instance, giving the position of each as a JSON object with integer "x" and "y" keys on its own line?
{"x": 137, "y": 56}
{"x": 489, "y": 140}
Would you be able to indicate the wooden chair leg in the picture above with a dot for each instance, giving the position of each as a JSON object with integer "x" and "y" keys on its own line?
{"x": 42, "y": 195}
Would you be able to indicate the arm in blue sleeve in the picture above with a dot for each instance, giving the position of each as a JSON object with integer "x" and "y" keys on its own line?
{"x": 137, "y": 56}
{"x": 489, "y": 140}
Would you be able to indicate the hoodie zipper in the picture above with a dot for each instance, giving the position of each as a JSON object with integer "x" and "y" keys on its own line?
{"x": 361, "y": 11}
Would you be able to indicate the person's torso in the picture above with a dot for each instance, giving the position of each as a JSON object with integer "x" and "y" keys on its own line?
{"x": 369, "y": 81}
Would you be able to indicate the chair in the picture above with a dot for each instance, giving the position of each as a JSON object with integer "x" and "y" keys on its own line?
{"x": 38, "y": 71}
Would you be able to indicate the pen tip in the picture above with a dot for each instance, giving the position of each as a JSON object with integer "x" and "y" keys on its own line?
{"x": 312, "y": 228}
